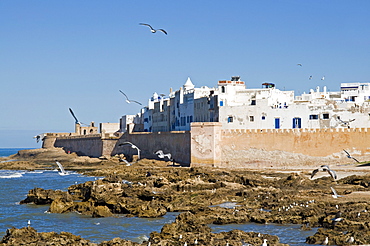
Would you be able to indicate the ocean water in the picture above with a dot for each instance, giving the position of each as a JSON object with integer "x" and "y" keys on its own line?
{"x": 4, "y": 152}
{"x": 14, "y": 186}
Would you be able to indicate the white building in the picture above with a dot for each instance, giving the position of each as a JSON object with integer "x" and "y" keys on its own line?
{"x": 237, "y": 107}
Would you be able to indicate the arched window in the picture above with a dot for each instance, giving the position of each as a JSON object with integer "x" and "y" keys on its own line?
{"x": 222, "y": 89}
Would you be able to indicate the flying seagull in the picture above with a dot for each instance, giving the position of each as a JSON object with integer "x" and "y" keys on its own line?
{"x": 39, "y": 137}
{"x": 345, "y": 123}
{"x": 299, "y": 64}
{"x": 128, "y": 100}
{"x": 62, "y": 171}
{"x": 324, "y": 168}
{"x": 349, "y": 156}
{"x": 152, "y": 29}
{"x": 161, "y": 155}
{"x": 310, "y": 77}
{"x": 323, "y": 78}
{"x": 335, "y": 194}
{"x": 76, "y": 120}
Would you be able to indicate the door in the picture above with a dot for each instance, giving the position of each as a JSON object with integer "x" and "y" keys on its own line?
{"x": 277, "y": 123}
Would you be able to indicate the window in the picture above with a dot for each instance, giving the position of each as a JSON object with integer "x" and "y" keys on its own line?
{"x": 297, "y": 122}
{"x": 325, "y": 116}
{"x": 253, "y": 102}
{"x": 230, "y": 119}
{"x": 314, "y": 117}
{"x": 263, "y": 117}
{"x": 222, "y": 89}
{"x": 251, "y": 118}
{"x": 221, "y": 103}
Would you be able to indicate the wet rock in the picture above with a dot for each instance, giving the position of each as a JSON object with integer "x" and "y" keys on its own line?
{"x": 118, "y": 242}
{"x": 101, "y": 211}
{"x": 190, "y": 229}
{"x": 29, "y": 236}
{"x": 40, "y": 196}
{"x": 61, "y": 206}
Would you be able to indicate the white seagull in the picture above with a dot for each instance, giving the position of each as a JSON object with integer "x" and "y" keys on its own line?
{"x": 323, "y": 78}
{"x": 335, "y": 194}
{"x": 310, "y": 77}
{"x": 128, "y": 100}
{"x": 337, "y": 218}
{"x": 62, "y": 171}
{"x": 29, "y": 223}
{"x": 324, "y": 168}
{"x": 264, "y": 242}
{"x": 349, "y": 156}
{"x": 76, "y": 120}
{"x": 161, "y": 155}
{"x": 299, "y": 64}
{"x": 326, "y": 241}
{"x": 152, "y": 29}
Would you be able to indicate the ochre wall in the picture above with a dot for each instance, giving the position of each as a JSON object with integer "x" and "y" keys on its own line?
{"x": 208, "y": 145}
{"x": 205, "y": 143}
{"x": 312, "y": 142}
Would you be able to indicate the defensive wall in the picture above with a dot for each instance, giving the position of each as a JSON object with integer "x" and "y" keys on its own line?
{"x": 97, "y": 145}
{"x": 207, "y": 144}
{"x": 211, "y": 145}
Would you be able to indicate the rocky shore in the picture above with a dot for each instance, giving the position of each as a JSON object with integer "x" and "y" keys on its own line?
{"x": 204, "y": 196}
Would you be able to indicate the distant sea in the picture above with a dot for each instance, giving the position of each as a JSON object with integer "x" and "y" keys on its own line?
{"x": 15, "y": 184}
{"x": 4, "y": 152}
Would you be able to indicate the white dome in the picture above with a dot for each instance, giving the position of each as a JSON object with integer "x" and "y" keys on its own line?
{"x": 188, "y": 85}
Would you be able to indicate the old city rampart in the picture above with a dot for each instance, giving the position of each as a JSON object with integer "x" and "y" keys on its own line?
{"x": 207, "y": 144}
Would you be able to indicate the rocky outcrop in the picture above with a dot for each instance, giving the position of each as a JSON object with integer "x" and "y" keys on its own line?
{"x": 40, "y": 196}
{"x": 29, "y": 236}
{"x": 189, "y": 229}
{"x": 144, "y": 190}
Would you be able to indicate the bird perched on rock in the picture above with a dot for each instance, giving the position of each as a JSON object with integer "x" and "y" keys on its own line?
{"x": 351, "y": 240}
{"x": 324, "y": 168}
{"x": 152, "y": 29}
{"x": 326, "y": 241}
{"x": 337, "y": 218}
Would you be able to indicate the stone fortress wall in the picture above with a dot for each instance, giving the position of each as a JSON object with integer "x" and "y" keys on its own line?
{"x": 248, "y": 147}
{"x": 207, "y": 144}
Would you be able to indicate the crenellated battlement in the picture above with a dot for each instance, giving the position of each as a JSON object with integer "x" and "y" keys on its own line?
{"x": 297, "y": 130}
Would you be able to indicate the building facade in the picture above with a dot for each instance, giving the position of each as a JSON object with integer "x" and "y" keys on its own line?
{"x": 238, "y": 107}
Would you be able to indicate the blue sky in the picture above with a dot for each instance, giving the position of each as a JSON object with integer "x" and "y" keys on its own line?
{"x": 56, "y": 55}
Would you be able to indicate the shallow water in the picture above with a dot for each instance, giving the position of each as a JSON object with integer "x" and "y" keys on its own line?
{"x": 14, "y": 186}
